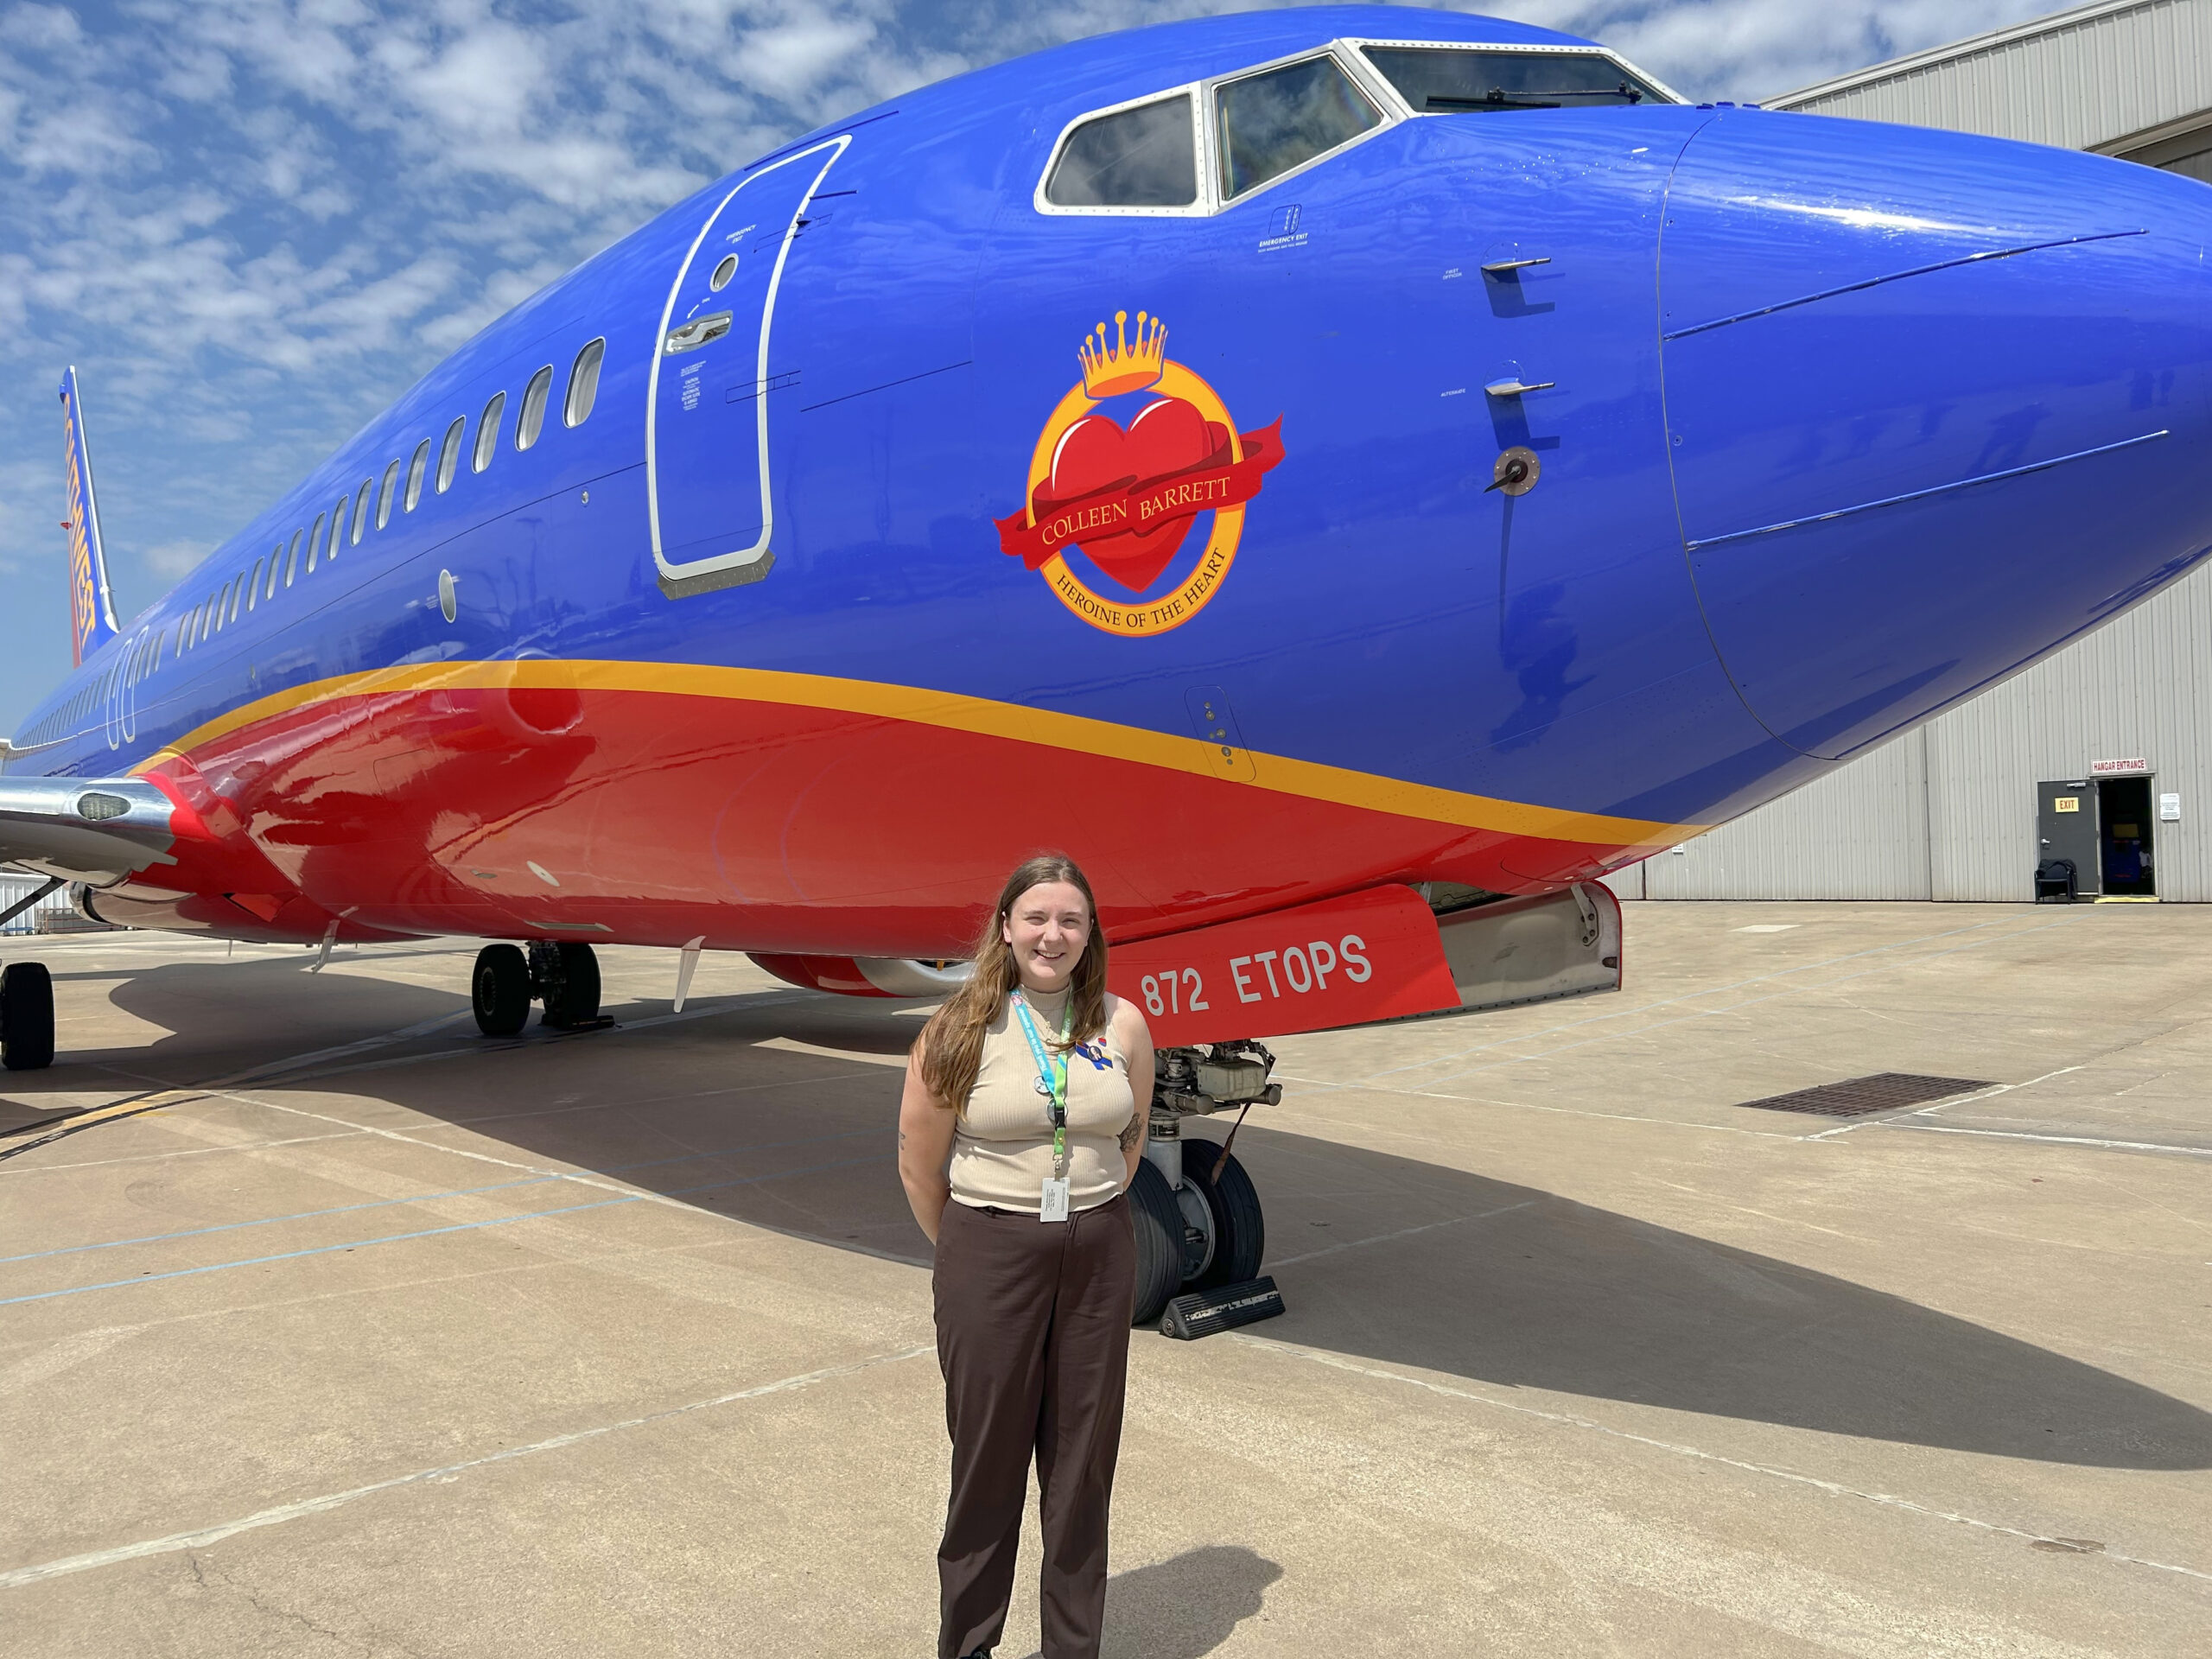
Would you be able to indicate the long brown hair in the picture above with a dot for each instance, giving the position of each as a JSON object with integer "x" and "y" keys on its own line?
{"x": 952, "y": 1042}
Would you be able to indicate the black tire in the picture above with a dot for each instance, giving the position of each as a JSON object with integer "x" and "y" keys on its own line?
{"x": 26, "y": 1016}
{"x": 499, "y": 988}
{"x": 1240, "y": 1233}
{"x": 577, "y": 1002}
{"x": 1157, "y": 1222}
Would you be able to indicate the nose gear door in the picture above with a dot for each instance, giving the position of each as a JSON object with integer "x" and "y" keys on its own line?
{"x": 712, "y": 393}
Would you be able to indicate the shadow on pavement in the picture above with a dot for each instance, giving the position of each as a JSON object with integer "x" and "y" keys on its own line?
{"x": 1389, "y": 1258}
{"x": 1186, "y": 1607}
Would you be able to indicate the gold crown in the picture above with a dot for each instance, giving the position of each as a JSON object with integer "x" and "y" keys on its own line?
{"x": 1126, "y": 365}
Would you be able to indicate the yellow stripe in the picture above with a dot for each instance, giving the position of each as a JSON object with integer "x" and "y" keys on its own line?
{"x": 951, "y": 711}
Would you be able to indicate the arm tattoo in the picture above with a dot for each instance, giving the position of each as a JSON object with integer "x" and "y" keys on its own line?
{"x": 1133, "y": 1133}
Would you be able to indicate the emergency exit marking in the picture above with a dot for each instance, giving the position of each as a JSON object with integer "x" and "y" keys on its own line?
{"x": 2067, "y": 803}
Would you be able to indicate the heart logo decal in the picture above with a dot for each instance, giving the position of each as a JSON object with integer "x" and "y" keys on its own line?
{"x": 1168, "y": 437}
{"x": 1127, "y": 496}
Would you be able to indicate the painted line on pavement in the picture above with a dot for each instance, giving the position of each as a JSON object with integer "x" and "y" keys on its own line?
{"x": 1836, "y": 1489}
{"x": 1990, "y": 1093}
{"x": 1732, "y": 1008}
{"x": 2051, "y": 1140}
{"x": 429, "y": 1198}
{"x": 199, "y": 1539}
{"x": 178, "y": 1151}
{"x": 1691, "y": 996}
{"x": 434, "y": 1232}
{"x": 1403, "y": 1232}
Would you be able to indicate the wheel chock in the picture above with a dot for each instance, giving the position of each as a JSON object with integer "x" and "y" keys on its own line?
{"x": 1202, "y": 1313}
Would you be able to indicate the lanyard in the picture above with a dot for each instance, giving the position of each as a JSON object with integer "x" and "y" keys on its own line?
{"x": 1051, "y": 1073}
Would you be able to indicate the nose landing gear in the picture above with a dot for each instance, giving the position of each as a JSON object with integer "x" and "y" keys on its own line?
{"x": 563, "y": 976}
{"x": 1197, "y": 1214}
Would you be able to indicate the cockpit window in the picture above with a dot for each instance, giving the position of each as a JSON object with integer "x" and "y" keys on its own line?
{"x": 1273, "y": 122}
{"x": 1144, "y": 157}
{"x": 1449, "y": 81}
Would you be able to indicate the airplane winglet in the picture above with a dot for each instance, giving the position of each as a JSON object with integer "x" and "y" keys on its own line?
{"x": 91, "y": 608}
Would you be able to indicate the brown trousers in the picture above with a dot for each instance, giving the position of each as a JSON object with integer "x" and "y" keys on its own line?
{"x": 1032, "y": 1333}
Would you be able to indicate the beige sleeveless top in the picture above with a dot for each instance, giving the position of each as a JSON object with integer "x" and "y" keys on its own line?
{"x": 1002, "y": 1149}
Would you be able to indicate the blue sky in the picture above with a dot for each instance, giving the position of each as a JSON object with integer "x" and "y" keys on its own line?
{"x": 251, "y": 226}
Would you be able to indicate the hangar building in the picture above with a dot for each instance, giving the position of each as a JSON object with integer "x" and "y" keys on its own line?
{"x": 2119, "y": 724}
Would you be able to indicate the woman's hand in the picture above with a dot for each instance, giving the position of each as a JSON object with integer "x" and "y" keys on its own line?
{"x": 1134, "y": 1037}
{"x": 925, "y": 1129}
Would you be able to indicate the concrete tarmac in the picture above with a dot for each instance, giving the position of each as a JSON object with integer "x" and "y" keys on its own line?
{"x": 332, "y": 1327}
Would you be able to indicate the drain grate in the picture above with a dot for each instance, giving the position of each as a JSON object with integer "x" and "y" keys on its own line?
{"x": 1884, "y": 1091}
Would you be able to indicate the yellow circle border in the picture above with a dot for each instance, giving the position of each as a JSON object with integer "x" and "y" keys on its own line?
{"x": 1172, "y": 610}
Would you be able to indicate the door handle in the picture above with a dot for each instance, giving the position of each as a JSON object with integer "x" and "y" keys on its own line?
{"x": 691, "y": 336}
{"x": 1513, "y": 388}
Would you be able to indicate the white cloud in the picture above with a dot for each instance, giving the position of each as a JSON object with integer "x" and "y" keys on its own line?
{"x": 252, "y": 223}
{"x": 176, "y": 558}
{"x": 1755, "y": 49}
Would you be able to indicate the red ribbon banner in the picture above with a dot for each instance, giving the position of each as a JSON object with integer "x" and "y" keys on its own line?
{"x": 1128, "y": 507}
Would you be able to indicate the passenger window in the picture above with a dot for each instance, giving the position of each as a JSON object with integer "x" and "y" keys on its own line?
{"x": 291, "y": 560}
{"x": 387, "y": 495}
{"x": 533, "y": 408}
{"x": 583, "y": 384}
{"x": 415, "y": 470}
{"x": 361, "y": 511}
{"x": 449, "y": 453}
{"x": 487, "y": 431}
{"x": 299, "y": 536}
{"x": 1271, "y": 123}
{"x": 183, "y": 634}
{"x": 253, "y": 586}
{"x": 1144, "y": 157}
{"x": 337, "y": 531}
{"x": 276, "y": 554}
{"x": 1450, "y": 81}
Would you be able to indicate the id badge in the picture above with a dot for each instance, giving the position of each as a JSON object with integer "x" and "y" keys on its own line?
{"x": 1054, "y": 1206}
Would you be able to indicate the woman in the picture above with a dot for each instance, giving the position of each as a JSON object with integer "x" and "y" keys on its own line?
{"x": 1019, "y": 1131}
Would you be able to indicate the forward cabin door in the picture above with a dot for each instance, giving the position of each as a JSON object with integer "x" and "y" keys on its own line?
{"x": 718, "y": 384}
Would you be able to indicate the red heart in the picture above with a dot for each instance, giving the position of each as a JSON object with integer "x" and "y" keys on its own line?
{"x": 1167, "y": 436}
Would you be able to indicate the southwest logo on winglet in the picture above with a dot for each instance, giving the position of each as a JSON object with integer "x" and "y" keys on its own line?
{"x": 1127, "y": 496}
{"x": 83, "y": 602}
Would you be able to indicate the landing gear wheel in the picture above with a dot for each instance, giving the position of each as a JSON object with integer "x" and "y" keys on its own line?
{"x": 572, "y": 998}
{"x": 1240, "y": 1233}
{"x": 26, "y": 1016}
{"x": 499, "y": 988}
{"x": 1157, "y": 1222}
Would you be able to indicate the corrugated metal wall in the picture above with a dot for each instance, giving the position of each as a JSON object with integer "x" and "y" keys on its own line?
{"x": 1949, "y": 811}
{"x": 2080, "y": 80}
{"x": 1861, "y": 832}
{"x": 56, "y": 905}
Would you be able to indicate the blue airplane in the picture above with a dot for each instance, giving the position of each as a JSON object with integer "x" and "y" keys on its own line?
{"x": 1350, "y": 476}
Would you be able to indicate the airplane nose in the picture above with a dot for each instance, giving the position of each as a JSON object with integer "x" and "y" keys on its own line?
{"x": 1935, "y": 404}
